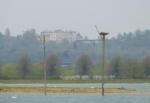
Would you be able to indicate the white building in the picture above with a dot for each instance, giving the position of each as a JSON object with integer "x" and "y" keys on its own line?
{"x": 59, "y": 35}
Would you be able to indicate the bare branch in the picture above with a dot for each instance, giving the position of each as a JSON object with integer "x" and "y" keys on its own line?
{"x": 98, "y": 32}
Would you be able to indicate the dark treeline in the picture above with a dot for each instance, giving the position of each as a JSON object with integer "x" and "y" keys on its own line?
{"x": 128, "y": 45}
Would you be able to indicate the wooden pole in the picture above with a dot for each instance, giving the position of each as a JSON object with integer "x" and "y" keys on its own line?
{"x": 44, "y": 44}
{"x": 103, "y": 61}
{"x": 102, "y": 35}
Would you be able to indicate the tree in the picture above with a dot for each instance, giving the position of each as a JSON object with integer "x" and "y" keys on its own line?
{"x": 132, "y": 69}
{"x": 66, "y": 54}
{"x": 78, "y": 34}
{"x": 67, "y": 70}
{"x": 119, "y": 36}
{"x": 0, "y": 69}
{"x": 7, "y": 32}
{"x": 115, "y": 66}
{"x": 37, "y": 70}
{"x": 1, "y": 35}
{"x": 74, "y": 45}
{"x": 24, "y": 65}
{"x": 146, "y": 65}
{"x": 85, "y": 38}
{"x": 53, "y": 65}
{"x": 84, "y": 64}
{"x": 30, "y": 35}
{"x": 9, "y": 70}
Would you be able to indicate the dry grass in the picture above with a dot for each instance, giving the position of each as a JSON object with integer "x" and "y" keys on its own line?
{"x": 66, "y": 90}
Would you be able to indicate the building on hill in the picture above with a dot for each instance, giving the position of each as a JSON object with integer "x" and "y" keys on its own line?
{"x": 59, "y": 35}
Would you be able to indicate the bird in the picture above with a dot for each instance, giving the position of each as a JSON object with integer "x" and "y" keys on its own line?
{"x": 14, "y": 96}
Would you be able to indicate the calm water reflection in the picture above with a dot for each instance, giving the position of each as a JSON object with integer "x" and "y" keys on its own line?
{"x": 74, "y": 98}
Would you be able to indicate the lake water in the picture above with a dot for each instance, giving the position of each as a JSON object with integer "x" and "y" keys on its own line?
{"x": 74, "y": 98}
{"x": 79, "y": 97}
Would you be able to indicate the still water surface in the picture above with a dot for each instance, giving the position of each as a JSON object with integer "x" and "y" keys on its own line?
{"x": 79, "y": 97}
{"x": 74, "y": 98}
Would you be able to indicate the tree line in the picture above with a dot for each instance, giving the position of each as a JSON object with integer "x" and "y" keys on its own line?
{"x": 118, "y": 67}
{"x": 133, "y": 44}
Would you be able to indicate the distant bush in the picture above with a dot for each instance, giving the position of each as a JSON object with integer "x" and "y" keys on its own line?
{"x": 53, "y": 77}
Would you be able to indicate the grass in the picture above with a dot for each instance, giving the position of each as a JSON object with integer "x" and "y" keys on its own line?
{"x": 69, "y": 90}
{"x": 19, "y": 81}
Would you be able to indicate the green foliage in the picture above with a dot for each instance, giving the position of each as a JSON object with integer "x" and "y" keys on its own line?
{"x": 53, "y": 65}
{"x": 24, "y": 65}
{"x": 68, "y": 70}
{"x": 116, "y": 65}
{"x": 132, "y": 69}
{"x": 9, "y": 70}
{"x": 146, "y": 65}
{"x": 0, "y": 69}
{"x": 97, "y": 70}
{"x": 54, "y": 77}
{"x": 128, "y": 68}
{"x": 84, "y": 64}
{"x": 36, "y": 70}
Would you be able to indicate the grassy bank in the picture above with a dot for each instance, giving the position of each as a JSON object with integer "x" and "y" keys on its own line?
{"x": 65, "y": 90}
{"x": 18, "y": 81}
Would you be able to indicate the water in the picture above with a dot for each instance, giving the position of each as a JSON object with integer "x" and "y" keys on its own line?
{"x": 79, "y": 97}
{"x": 74, "y": 98}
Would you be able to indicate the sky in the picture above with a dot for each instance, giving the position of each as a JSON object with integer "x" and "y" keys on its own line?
{"x": 113, "y": 16}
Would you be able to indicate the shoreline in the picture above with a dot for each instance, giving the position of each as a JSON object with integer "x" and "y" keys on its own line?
{"x": 68, "y": 90}
{"x": 58, "y": 81}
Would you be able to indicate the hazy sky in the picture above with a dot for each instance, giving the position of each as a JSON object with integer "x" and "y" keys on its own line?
{"x": 113, "y": 16}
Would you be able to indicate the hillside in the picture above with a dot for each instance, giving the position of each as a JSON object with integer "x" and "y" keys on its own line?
{"x": 128, "y": 45}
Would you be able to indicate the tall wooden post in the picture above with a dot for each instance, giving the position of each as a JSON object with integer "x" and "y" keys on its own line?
{"x": 44, "y": 44}
{"x": 43, "y": 39}
{"x": 103, "y": 61}
{"x": 102, "y": 34}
